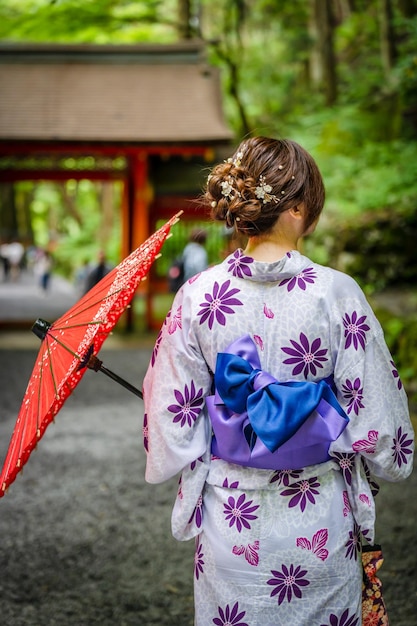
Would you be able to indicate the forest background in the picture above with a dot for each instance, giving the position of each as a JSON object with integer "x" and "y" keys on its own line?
{"x": 339, "y": 76}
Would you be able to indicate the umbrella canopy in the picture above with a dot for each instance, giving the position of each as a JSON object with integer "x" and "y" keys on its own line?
{"x": 69, "y": 346}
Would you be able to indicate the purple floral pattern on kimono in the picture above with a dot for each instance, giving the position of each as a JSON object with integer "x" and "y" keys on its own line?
{"x": 306, "y": 358}
{"x": 316, "y": 545}
{"x": 197, "y": 514}
{"x": 145, "y": 432}
{"x": 353, "y": 393}
{"x": 198, "y": 559}
{"x": 233, "y": 485}
{"x": 288, "y": 582}
{"x": 283, "y": 477}
{"x": 218, "y": 304}
{"x": 401, "y": 447}
{"x": 353, "y": 544}
{"x": 156, "y": 347}
{"x": 239, "y": 264}
{"x": 355, "y": 330}
{"x": 193, "y": 464}
{"x": 396, "y": 375}
{"x": 302, "y": 492}
{"x": 240, "y": 512}
{"x": 250, "y": 552}
{"x": 230, "y": 616}
{"x": 175, "y": 321}
{"x": 344, "y": 620}
{"x": 189, "y": 405}
{"x": 372, "y": 484}
{"x": 346, "y": 462}
{"x": 300, "y": 280}
{"x": 367, "y": 445}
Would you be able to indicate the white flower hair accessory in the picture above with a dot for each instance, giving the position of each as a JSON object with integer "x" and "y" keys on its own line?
{"x": 263, "y": 192}
{"x": 227, "y": 188}
{"x": 228, "y": 191}
{"x": 237, "y": 161}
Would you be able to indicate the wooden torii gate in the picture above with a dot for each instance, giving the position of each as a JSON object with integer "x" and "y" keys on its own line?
{"x": 152, "y": 109}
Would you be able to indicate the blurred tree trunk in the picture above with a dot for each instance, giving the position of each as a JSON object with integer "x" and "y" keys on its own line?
{"x": 233, "y": 88}
{"x": 343, "y": 8}
{"x": 184, "y": 19}
{"x": 23, "y": 197}
{"x": 69, "y": 201}
{"x": 408, "y": 7}
{"x": 323, "y": 60}
{"x": 387, "y": 36}
{"x": 230, "y": 50}
{"x": 106, "y": 200}
{"x": 8, "y": 217}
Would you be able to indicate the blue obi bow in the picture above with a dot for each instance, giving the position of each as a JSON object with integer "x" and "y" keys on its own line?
{"x": 260, "y": 422}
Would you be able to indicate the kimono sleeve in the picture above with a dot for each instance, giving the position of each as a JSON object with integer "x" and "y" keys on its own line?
{"x": 177, "y": 430}
{"x": 371, "y": 392}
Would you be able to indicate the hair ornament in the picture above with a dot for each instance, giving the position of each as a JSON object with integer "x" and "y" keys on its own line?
{"x": 227, "y": 188}
{"x": 237, "y": 160}
{"x": 214, "y": 204}
{"x": 228, "y": 191}
{"x": 230, "y": 219}
{"x": 263, "y": 192}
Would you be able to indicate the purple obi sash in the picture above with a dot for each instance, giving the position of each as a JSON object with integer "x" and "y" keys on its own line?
{"x": 260, "y": 422}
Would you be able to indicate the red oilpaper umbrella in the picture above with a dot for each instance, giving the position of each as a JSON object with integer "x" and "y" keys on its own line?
{"x": 69, "y": 347}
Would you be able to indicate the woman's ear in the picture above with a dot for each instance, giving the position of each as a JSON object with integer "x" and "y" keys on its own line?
{"x": 297, "y": 212}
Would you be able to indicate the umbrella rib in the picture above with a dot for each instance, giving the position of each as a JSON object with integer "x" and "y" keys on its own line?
{"x": 95, "y": 302}
{"x": 51, "y": 368}
{"x": 68, "y": 326}
{"x": 39, "y": 394}
{"x": 75, "y": 314}
{"x": 74, "y": 354}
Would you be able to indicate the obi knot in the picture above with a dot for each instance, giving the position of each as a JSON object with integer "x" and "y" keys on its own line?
{"x": 268, "y": 410}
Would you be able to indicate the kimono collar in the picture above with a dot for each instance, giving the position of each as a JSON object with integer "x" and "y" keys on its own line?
{"x": 243, "y": 266}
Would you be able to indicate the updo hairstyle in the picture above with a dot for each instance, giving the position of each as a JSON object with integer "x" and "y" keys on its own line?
{"x": 236, "y": 188}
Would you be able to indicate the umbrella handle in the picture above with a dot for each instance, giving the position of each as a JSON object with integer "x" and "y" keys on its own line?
{"x": 95, "y": 364}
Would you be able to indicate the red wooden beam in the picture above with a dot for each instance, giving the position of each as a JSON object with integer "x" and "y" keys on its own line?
{"x": 8, "y": 175}
{"x": 116, "y": 150}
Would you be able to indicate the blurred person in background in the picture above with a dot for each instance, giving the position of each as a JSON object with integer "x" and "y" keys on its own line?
{"x": 98, "y": 271}
{"x": 195, "y": 256}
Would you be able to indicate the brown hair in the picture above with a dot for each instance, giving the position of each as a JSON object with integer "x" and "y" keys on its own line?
{"x": 288, "y": 168}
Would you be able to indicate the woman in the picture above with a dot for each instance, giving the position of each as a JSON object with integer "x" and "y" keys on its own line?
{"x": 240, "y": 397}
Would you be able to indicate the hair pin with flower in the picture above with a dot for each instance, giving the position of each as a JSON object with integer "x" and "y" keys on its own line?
{"x": 263, "y": 192}
{"x": 228, "y": 191}
{"x": 227, "y": 188}
{"x": 237, "y": 159}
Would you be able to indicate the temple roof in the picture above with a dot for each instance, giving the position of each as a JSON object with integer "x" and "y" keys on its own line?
{"x": 129, "y": 93}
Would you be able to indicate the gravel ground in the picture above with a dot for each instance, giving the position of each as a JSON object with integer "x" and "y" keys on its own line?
{"x": 86, "y": 541}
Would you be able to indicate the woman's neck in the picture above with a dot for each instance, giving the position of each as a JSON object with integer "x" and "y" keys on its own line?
{"x": 269, "y": 249}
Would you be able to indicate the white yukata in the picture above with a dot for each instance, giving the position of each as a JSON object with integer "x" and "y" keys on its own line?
{"x": 275, "y": 547}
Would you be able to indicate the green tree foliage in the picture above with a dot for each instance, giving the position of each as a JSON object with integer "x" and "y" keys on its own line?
{"x": 67, "y": 218}
{"x": 88, "y": 21}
